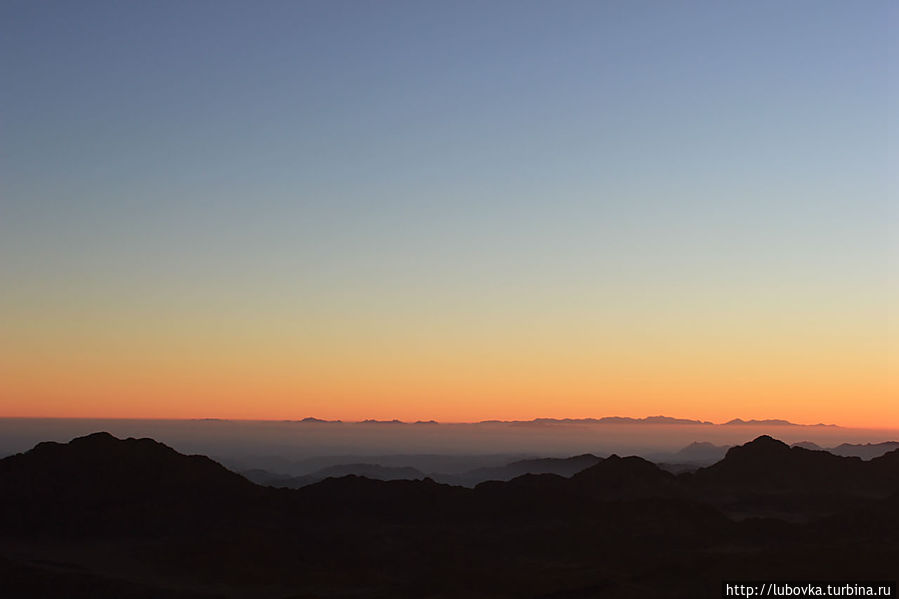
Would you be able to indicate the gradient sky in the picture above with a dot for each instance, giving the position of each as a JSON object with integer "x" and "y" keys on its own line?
{"x": 449, "y": 210}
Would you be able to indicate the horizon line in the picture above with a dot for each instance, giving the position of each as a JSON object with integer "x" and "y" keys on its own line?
{"x": 646, "y": 420}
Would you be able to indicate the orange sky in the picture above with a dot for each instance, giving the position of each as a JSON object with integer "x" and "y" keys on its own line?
{"x": 467, "y": 365}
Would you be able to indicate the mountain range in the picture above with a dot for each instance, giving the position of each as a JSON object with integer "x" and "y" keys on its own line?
{"x": 603, "y": 420}
{"x": 106, "y": 517}
{"x": 687, "y": 459}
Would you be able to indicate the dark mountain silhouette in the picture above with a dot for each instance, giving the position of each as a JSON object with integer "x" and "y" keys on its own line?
{"x": 271, "y": 479}
{"x": 312, "y": 419}
{"x": 374, "y": 471}
{"x": 769, "y": 464}
{"x": 677, "y": 467}
{"x": 766, "y": 477}
{"x": 428, "y": 463}
{"x": 770, "y": 422}
{"x": 808, "y": 445}
{"x": 559, "y": 466}
{"x": 866, "y": 451}
{"x": 626, "y": 478}
{"x": 101, "y": 517}
{"x": 689, "y": 458}
{"x": 99, "y": 482}
{"x": 702, "y": 451}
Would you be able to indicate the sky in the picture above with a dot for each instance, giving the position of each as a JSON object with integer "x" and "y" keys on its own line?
{"x": 449, "y": 210}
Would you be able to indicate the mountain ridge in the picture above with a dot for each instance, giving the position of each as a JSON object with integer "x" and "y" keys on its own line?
{"x": 659, "y": 419}
{"x": 620, "y": 520}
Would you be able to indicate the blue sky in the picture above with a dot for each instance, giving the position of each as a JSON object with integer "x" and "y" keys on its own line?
{"x": 383, "y": 119}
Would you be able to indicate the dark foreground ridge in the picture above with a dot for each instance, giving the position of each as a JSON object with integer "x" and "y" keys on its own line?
{"x": 103, "y": 517}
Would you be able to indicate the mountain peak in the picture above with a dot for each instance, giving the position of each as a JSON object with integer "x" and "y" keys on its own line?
{"x": 102, "y": 477}
{"x": 768, "y": 464}
{"x": 98, "y": 440}
{"x": 762, "y": 447}
{"x": 625, "y": 477}
{"x": 619, "y": 468}
{"x": 98, "y": 437}
{"x": 766, "y": 441}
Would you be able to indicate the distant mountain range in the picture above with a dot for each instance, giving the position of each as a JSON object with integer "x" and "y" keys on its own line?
{"x": 103, "y": 517}
{"x": 604, "y": 420}
{"x": 687, "y": 459}
{"x": 560, "y": 466}
{"x": 866, "y": 451}
{"x": 769, "y": 422}
{"x": 372, "y": 471}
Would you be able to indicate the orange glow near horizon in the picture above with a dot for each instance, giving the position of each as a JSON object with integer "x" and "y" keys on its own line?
{"x": 457, "y": 359}
{"x": 378, "y": 377}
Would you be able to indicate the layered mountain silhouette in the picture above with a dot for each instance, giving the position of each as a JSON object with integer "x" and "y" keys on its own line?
{"x": 865, "y": 451}
{"x": 769, "y": 478}
{"x": 373, "y": 471}
{"x": 702, "y": 451}
{"x": 104, "y": 517}
{"x": 688, "y": 459}
{"x": 560, "y": 466}
{"x": 626, "y": 478}
{"x": 767, "y": 464}
{"x": 808, "y": 445}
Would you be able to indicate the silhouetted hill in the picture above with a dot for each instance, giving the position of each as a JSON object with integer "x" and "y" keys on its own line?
{"x": 99, "y": 482}
{"x": 103, "y": 517}
{"x": 766, "y": 477}
{"x": 626, "y": 478}
{"x": 559, "y": 466}
{"x": 769, "y": 464}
